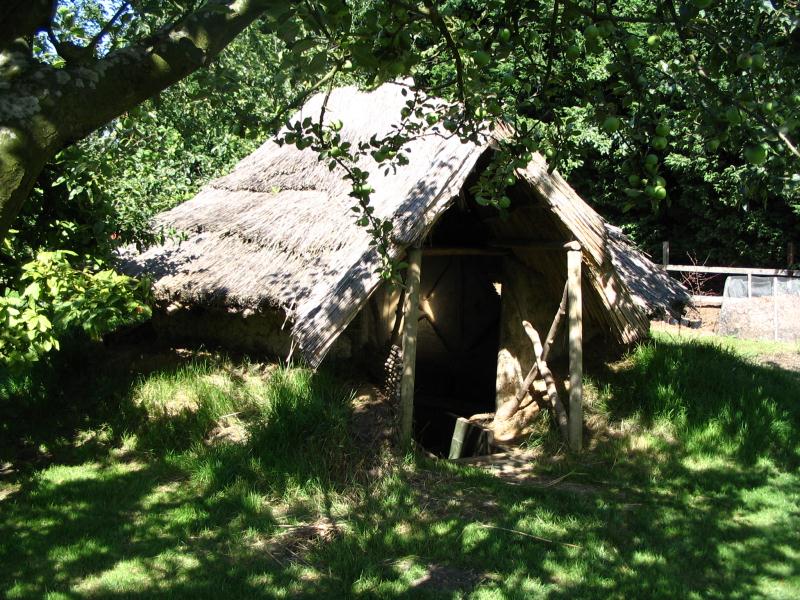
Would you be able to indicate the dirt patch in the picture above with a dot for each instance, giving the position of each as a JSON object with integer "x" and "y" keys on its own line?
{"x": 295, "y": 541}
{"x": 440, "y": 578}
{"x": 520, "y": 467}
{"x": 373, "y": 417}
{"x": 229, "y": 431}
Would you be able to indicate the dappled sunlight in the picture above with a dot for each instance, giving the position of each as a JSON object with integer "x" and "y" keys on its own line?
{"x": 669, "y": 501}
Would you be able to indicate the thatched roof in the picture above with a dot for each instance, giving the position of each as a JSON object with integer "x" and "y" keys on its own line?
{"x": 278, "y": 230}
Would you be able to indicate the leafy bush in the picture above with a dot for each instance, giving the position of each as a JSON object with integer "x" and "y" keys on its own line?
{"x": 58, "y": 298}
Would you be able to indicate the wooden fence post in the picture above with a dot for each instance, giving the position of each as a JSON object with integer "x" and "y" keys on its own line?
{"x": 789, "y": 255}
{"x": 575, "y": 347}
{"x": 410, "y": 321}
{"x": 665, "y": 254}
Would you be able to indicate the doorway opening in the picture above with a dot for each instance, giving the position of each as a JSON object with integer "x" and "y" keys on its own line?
{"x": 457, "y": 340}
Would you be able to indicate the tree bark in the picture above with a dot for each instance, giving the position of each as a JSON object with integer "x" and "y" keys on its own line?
{"x": 44, "y": 109}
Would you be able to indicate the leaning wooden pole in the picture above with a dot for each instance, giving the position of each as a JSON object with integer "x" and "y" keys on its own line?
{"x": 575, "y": 347}
{"x": 549, "y": 380}
{"x": 410, "y": 321}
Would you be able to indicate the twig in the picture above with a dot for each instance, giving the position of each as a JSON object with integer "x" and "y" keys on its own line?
{"x": 535, "y": 537}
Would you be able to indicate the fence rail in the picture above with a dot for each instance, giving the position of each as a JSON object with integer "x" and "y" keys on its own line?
{"x": 733, "y": 270}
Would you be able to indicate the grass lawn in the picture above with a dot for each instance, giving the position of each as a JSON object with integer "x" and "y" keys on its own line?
{"x": 207, "y": 477}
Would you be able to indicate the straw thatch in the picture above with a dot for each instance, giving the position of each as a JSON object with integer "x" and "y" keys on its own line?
{"x": 278, "y": 230}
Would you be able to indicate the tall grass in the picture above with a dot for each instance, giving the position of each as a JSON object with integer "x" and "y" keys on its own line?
{"x": 291, "y": 428}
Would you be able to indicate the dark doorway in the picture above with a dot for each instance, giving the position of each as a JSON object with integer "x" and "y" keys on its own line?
{"x": 457, "y": 344}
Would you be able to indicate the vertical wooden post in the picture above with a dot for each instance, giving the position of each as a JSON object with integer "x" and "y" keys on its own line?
{"x": 665, "y": 254}
{"x": 789, "y": 255}
{"x": 749, "y": 285}
{"x": 575, "y": 347}
{"x": 410, "y": 321}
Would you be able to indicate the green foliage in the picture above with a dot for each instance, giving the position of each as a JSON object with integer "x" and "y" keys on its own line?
{"x": 58, "y": 298}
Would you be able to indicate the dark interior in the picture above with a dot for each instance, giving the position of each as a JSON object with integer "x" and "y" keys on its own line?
{"x": 458, "y": 332}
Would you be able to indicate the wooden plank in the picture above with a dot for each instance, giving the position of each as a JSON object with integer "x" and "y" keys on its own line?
{"x": 529, "y": 244}
{"x": 410, "y": 345}
{"x": 463, "y": 251}
{"x": 707, "y": 300}
{"x": 547, "y": 375}
{"x": 459, "y": 435}
{"x": 734, "y": 270}
{"x": 575, "y": 350}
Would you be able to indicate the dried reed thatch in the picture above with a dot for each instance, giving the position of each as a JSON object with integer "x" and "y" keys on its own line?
{"x": 278, "y": 230}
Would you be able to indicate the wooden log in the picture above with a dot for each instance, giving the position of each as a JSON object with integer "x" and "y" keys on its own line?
{"x": 575, "y": 350}
{"x": 459, "y": 435}
{"x": 510, "y": 407}
{"x": 410, "y": 345}
{"x": 548, "y": 342}
{"x": 547, "y": 375}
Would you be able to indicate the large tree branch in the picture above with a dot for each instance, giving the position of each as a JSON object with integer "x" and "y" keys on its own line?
{"x": 45, "y": 109}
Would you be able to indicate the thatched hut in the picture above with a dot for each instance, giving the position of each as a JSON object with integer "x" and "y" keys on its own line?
{"x": 272, "y": 259}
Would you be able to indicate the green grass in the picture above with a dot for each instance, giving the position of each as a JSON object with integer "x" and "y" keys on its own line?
{"x": 689, "y": 489}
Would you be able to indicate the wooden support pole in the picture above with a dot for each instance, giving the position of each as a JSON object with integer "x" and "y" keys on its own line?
{"x": 547, "y": 375}
{"x": 410, "y": 345}
{"x": 665, "y": 254}
{"x": 789, "y": 255}
{"x": 575, "y": 350}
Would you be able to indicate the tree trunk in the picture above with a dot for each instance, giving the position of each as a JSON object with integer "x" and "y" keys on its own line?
{"x": 44, "y": 109}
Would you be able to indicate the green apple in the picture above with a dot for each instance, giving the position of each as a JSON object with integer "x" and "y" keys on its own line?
{"x": 712, "y": 145}
{"x": 573, "y": 52}
{"x": 732, "y": 115}
{"x": 662, "y": 129}
{"x": 744, "y": 60}
{"x": 658, "y": 142}
{"x": 482, "y": 58}
{"x": 504, "y": 35}
{"x": 591, "y": 32}
{"x": 634, "y": 180}
{"x": 756, "y": 154}
{"x": 611, "y": 124}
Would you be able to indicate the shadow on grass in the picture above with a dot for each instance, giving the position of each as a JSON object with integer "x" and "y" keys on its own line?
{"x": 717, "y": 401}
{"x": 676, "y": 520}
